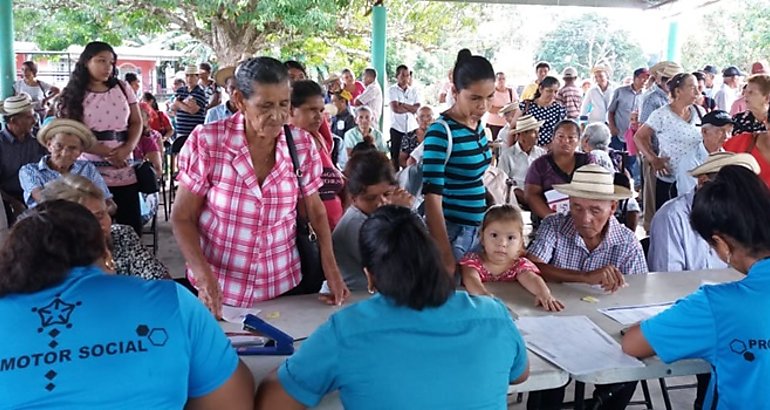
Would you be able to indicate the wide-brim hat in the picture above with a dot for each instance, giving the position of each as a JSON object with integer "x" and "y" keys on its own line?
{"x": 332, "y": 78}
{"x": 601, "y": 68}
{"x": 191, "y": 70}
{"x": 593, "y": 181}
{"x": 526, "y": 123}
{"x": 223, "y": 74}
{"x": 508, "y": 108}
{"x": 718, "y": 160}
{"x": 666, "y": 69}
{"x": 63, "y": 125}
{"x": 16, "y": 104}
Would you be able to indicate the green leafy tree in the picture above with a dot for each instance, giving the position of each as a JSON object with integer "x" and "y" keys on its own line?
{"x": 586, "y": 41}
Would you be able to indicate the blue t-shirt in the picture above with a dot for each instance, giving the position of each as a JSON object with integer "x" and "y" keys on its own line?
{"x": 459, "y": 181}
{"x": 101, "y": 341}
{"x": 460, "y": 355}
{"x": 727, "y": 325}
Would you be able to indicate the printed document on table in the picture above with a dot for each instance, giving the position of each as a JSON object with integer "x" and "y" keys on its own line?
{"x": 237, "y": 315}
{"x": 628, "y": 315}
{"x": 574, "y": 343}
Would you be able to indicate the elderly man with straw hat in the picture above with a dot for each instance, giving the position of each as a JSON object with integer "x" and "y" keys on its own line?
{"x": 516, "y": 159}
{"x": 588, "y": 245}
{"x": 66, "y": 140}
{"x": 17, "y": 148}
{"x": 190, "y": 104}
{"x": 225, "y": 78}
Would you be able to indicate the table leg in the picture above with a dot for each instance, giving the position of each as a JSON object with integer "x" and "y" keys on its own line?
{"x": 580, "y": 390}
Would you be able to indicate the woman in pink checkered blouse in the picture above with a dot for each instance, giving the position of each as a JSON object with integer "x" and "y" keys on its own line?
{"x": 235, "y": 213}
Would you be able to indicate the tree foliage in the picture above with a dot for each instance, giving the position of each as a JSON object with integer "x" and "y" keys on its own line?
{"x": 737, "y": 34}
{"x": 588, "y": 40}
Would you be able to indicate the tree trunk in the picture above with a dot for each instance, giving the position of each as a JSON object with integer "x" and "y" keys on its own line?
{"x": 232, "y": 42}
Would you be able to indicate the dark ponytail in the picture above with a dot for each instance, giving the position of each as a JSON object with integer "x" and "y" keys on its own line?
{"x": 547, "y": 82}
{"x": 470, "y": 69}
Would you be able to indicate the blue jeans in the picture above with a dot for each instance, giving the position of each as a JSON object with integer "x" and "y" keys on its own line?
{"x": 462, "y": 238}
{"x": 632, "y": 163}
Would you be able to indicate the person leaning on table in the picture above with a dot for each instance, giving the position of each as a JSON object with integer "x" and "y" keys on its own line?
{"x": 416, "y": 344}
{"x": 588, "y": 245}
{"x": 88, "y": 340}
{"x": 724, "y": 324}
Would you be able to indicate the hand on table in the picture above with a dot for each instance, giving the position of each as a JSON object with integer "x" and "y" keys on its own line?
{"x": 548, "y": 302}
{"x": 609, "y": 277}
{"x": 209, "y": 293}
{"x": 339, "y": 290}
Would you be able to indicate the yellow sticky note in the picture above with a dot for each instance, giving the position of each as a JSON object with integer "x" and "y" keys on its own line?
{"x": 273, "y": 315}
{"x": 589, "y": 299}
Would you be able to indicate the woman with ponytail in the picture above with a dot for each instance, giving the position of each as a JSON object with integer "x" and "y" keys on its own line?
{"x": 456, "y": 155}
{"x": 544, "y": 108}
{"x": 97, "y": 98}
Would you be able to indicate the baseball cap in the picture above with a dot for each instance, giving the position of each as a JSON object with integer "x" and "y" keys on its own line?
{"x": 569, "y": 72}
{"x": 710, "y": 69}
{"x": 643, "y": 71}
{"x": 731, "y": 71}
{"x": 717, "y": 118}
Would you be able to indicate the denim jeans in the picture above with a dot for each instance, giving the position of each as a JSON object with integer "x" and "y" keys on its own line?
{"x": 462, "y": 238}
{"x": 632, "y": 163}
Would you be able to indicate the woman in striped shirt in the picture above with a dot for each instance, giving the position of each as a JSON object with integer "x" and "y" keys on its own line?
{"x": 452, "y": 176}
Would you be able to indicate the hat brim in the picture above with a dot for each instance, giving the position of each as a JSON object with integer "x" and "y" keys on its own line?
{"x": 16, "y": 110}
{"x": 70, "y": 127}
{"x": 528, "y": 127}
{"x": 619, "y": 194}
{"x": 223, "y": 74}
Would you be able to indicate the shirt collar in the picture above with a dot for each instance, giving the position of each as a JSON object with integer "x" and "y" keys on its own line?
{"x": 42, "y": 165}
{"x": 10, "y": 138}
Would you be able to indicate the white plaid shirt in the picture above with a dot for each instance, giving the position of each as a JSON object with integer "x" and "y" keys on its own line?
{"x": 559, "y": 244}
{"x": 247, "y": 231}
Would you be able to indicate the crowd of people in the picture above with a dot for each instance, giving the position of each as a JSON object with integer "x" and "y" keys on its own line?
{"x": 287, "y": 186}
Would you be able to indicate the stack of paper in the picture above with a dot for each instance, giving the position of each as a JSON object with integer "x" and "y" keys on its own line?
{"x": 574, "y": 343}
{"x": 628, "y": 315}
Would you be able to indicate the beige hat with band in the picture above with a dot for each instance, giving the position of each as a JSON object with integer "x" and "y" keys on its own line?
{"x": 67, "y": 126}
{"x": 593, "y": 181}
{"x": 191, "y": 70}
{"x": 16, "y": 104}
{"x": 526, "y": 123}
{"x": 223, "y": 74}
{"x": 718, "y": 160}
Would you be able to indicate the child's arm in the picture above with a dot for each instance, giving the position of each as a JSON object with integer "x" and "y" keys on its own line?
{"x": 472, "y": 281}
{"x": 536, "y": 286}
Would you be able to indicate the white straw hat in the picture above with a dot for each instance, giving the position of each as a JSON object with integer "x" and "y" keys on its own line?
{"x": 718, "y": 160}
{"x": 593, "y": 181}
{"x": 16, "y": 104}
{"x": 526, "y": 123}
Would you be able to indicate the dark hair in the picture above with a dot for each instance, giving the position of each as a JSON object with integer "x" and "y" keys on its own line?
{"x": 70, "y": 103}
{"x": 470, "y": 69}
{"x": 699, "y": 76}
{"x": 295, "y": 65}
{"x": 31, "y": 65}
{"x": 370, "y": 71}
{"x": 504, "y": 212}
{"x": 346, "y": 71}
{"x": 401, "y": 256}
{"x": 542, "y": 64}
{"x": 566, "y": 123}
{"x": 362, "y": 147}
{"x": 341, "y": 97}
{"x": 130, "y": 78}
{"x": 147, "y": 96}
{"x": 676, "y": 81}
{"x": 736, "y": 203}
{"x": 179, "y": 81}
{"x": 261, "y": 70}
{"x": 303, "y": 90}
{"x": 367, "y": 168}
{"x": 547, "y": 82}
{"x": 401, "y": 68}
{"x": 45, "y": 243}
{"x": 205, "y": 67}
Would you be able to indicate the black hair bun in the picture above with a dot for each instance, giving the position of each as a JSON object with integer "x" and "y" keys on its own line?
{"x": 464, "y": 54}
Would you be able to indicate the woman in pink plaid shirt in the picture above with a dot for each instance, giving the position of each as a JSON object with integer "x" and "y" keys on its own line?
{"x": 235, "y": 212}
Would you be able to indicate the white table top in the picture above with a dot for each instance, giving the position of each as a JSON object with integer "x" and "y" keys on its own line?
{"x": 642, "y": 289}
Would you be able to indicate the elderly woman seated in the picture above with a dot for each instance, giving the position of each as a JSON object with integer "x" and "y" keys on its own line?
{"x": 127, "y": 255}
{"x": 65, "y": 140}
{"x": 384, "y": 350}
{"x": 70, "y": 322}
{"x": 596, "y": 141}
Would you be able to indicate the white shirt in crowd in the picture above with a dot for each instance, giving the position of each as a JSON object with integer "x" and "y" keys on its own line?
{"x": 403, "y": 122}
{"x": 678, "y": 139}
{"x": 725, "y": 97}
{"x": 598, "y": 102}
{"x": 515, "y": 162}
{"x": 372, "y": 98}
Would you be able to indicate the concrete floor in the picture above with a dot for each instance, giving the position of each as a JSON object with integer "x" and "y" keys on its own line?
{"x": 169, "y": 254}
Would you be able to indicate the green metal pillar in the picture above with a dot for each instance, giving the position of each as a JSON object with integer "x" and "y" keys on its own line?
{"x": 7, "y": 64}
{"x": 673, "y": 52}
{"x": 379, "y": 44}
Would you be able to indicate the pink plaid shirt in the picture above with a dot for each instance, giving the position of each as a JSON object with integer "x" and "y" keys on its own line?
{"x": 247, "y": 231}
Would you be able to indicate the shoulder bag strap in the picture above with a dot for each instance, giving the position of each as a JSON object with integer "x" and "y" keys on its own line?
{"x": 510, "y": 95}
{"x": 449, "y": 138}
{"x": 697, "y": 111}
{"x": 526, "y": 106}
{"x": 301, "y": 206}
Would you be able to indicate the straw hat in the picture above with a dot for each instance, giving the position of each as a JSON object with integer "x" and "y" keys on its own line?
{"x": 223, "y": 74}
{"x": 332, "y": 78}
{"x": 526, "y": 123}
{"x": 508, "y": 108}
{"x": 601, "y": 67}
{"x": 666, "y": 69}
{"x": 16, "y": 104}
{"x": 191, "y": 70}
{"x": 63, "y": 125}
{"x": 593, "y": 181}
{"x": 718, "y": 160}
{"x": 330, "y": 109}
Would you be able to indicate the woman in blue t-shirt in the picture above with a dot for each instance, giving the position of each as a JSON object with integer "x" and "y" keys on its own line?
{"x": 453, "y": 186}
{"x": 725, "y": 324}
{"x": 416, "y": 344}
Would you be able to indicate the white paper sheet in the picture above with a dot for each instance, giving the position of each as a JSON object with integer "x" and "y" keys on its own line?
{"x": 237, "y": 315}
{"x": 574, "y": 343}
{"x": 628, "y": 315}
